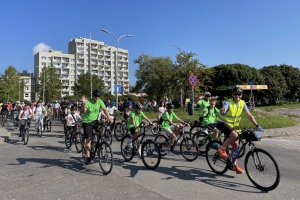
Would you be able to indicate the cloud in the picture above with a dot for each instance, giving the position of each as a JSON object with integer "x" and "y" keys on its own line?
{"x": 41, "y": 47}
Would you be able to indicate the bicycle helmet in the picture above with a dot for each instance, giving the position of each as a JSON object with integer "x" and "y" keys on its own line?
{"x": 237, "y": 90}
{"x": 129, "y": 104}
{"x": 138, "y": 106}
{"x": 113, "y": 103}
{"x": 96, "y": 93}
{"x": 170, "y": 106}
{"x": 207, "y": 94}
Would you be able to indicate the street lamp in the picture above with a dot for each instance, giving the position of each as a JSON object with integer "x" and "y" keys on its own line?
{"x": 19, "y": 91}
{"x": 118, "y": 38}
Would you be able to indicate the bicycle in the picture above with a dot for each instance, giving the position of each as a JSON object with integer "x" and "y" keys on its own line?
{"x": 99, "y": 149}
{"x": 3, "y": 118}
{"x": 119, "y": 129}
{"x": 24, "y": 130}
{"x": 47, "y": 124}
{"x": 204, "y": 135}
{"x": 149, "y": 149}
{"x": 39, "y": 128}
{"x": 256, "y": 161}
{"x": 73, "y": 135}
{"x": 188, "y": 147}
{"x": 103, "y": 128}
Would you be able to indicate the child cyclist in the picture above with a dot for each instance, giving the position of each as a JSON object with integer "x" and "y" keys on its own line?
{"x": 72, "y": 118}
{"x": 135, "y": 119}
{"x": 210, "y": 114}
{"x": 169, "y": 126}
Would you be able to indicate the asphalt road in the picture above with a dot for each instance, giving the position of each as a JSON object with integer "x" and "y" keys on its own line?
{"x": 44, "y": 169}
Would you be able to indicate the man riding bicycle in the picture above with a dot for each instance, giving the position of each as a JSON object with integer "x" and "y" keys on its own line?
{"x": 229, "y": 119}
{"x": 39, "y": 111}
{"x": 91, "y": 109}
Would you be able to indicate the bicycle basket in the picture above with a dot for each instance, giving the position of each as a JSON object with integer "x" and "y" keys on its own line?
{"x": 251, "y": 135}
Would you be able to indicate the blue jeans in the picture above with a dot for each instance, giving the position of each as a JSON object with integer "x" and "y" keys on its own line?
{"x": 15, "y": 118}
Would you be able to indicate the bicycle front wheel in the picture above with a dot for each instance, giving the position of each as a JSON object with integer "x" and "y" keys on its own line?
{"x": 262, "y": 169}
{"x": 105, "y": 157}
{"x": 150, "y": 154}
{"x": 107, "y": 136}
{"x": 119, "y": 131}
{"x": 49, "y": 125}
{"x": 68, "y": 139}
{"x": 78, "y": 142}
{"x": 213, "y": 158}
{"x": 127, "y": 151}
{"x": 189, "y": 149}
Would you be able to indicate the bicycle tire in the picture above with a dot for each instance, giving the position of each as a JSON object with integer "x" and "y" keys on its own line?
{"x": 215, "y": 162}
{"x": 261, "y": 168}
{"x": 155, "y": 128}
{"x": 107, "y": 136}
{"x": 105, "y": 156}
{"x": 162, "y": 142}
{"x": 194, "y": 128}
{"x": 26, "y": 136}
{"x": 119, "y": 131}
{"x": 202, "y": 139}
{"x": 126, "y": 151}
{"x": 189, "y": 149}
{"x": 68, "y": 139}
{"x": 150, "y": 150}
{"x": 78, "y": 142}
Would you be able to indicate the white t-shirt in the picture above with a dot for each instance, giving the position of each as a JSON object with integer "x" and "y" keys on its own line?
{"x": 71, "y": 120}
{"x": 25, "y": 113}
{"x": 39, "y": 110}
{"x": 111, "y": 110}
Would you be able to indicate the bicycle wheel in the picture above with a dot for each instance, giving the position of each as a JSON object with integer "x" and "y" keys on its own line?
{"x": 78, "y": 142}
{"x": 195, "y": 128}
{"x": 262, "y": 169}
{"x": 150, "y": 154}
{"x": 68, "y": 139}
{"x": 162, "y": 142}
{"x": 105, "y": 156}
{"x": 119, "y": 131}
{"x": 155, "y": 127}
{"x": 83, "y": 152}
{"x": 107, "y": 136}
{"x": 49, "y": 125}
{"x": 213, "y": 158}
{"x": 26, "y": 136}
{"x": 189, "y": 149}
{"x": 126, "y": 151}
{"x": 201, "y": 139}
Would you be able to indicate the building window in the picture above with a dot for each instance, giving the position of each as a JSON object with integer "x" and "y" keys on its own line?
{"x": 26, "y": 95}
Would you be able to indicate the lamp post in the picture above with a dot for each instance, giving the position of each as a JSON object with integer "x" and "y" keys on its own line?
{"x": 44, "y": 85}
{"x": 19, "y": 91}
{"x": 118, "y": 38}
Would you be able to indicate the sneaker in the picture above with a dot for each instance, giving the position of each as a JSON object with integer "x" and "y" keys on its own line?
{"x": 215, "y": 145}
{"x": 87, "y": 161}
{"x": 222, "y": 152}
{"x": 237, "y": 169}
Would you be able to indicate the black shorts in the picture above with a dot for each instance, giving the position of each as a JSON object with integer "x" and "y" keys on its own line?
{"x": 224, "y": 128}
{"x": 88, "y": 128}
{"x": 132, "y": 130}
{"x": 211, "y": 126}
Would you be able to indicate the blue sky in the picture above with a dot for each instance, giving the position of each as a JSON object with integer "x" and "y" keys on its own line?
{"x": 257, "y": 32}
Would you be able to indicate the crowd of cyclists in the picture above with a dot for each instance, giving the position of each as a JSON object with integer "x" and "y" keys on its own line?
{"x": 90, "y": 111}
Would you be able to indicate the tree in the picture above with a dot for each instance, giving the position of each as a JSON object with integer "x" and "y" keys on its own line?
{"x": 9, "y": 84}
{"x": 83, "y": 84}
{"x": 292, "y": 78}
{"x": 50, "y": 84}
{"x": 277, "y": 86}
{"x": 155, "y": 76}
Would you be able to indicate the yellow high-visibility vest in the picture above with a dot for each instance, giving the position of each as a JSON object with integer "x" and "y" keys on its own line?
{"x": 234, "y": 114}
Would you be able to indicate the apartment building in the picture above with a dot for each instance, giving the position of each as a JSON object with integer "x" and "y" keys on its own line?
{"x": 96, "y": 57}
{"x": 29, "y": 85}
{"x": 65, "y": 65}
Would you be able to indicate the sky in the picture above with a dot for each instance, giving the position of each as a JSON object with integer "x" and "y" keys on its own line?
{"x": 257, "y": 33}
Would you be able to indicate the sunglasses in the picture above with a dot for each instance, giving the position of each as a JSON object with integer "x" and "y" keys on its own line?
{"x": 237, "y": 94}
{"x": 96, "y": 96}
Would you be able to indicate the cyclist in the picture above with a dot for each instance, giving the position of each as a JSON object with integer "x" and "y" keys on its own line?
{"x": 56, "y": 109}
{"x": 127, "y": 111}
{"x": 230, "y": 118}
{"x": 91, "y": 109}
{"x": 39, "y": 111}
{"x": 169, "y": 126}
{"x": 16, "y": 111}
{"x": 72, "y": 117}
{"x": 202, "y": 104}
{"x": 210, "y": 115}
{"x": 135, "y": 119}
{"x": 26, "y": 113}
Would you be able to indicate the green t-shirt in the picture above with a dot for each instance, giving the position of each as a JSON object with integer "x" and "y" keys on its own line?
{"x": 138, "y": 118}
{"x": 202, "y": 105}
{"x": 210, "y": 116}
{"x": 166, "y": 116}
{"x": 93, "y": 110}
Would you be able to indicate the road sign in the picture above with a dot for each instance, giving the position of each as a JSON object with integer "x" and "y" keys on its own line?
{"x": 193, "y": 80}
{"x": 117, "y": 88}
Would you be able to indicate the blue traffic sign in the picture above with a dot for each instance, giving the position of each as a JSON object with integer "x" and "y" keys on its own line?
{"x": 117, "y": 88}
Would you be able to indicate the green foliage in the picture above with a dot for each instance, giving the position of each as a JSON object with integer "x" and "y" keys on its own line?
{"x": 50, "y": 83}
{"x": 9, "y": 84}
{"x": 154, "y": 76}
{"x": 292, "y": 79}
{"x": 83, "y": 85}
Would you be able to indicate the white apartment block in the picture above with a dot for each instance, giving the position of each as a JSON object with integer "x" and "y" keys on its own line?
{"x": 96, "y": 57}
{"x": 65, "y": 65}
{"x": 29, "y": 85}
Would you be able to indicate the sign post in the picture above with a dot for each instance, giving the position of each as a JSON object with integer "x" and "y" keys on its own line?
{"x": 193, "y": 81}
